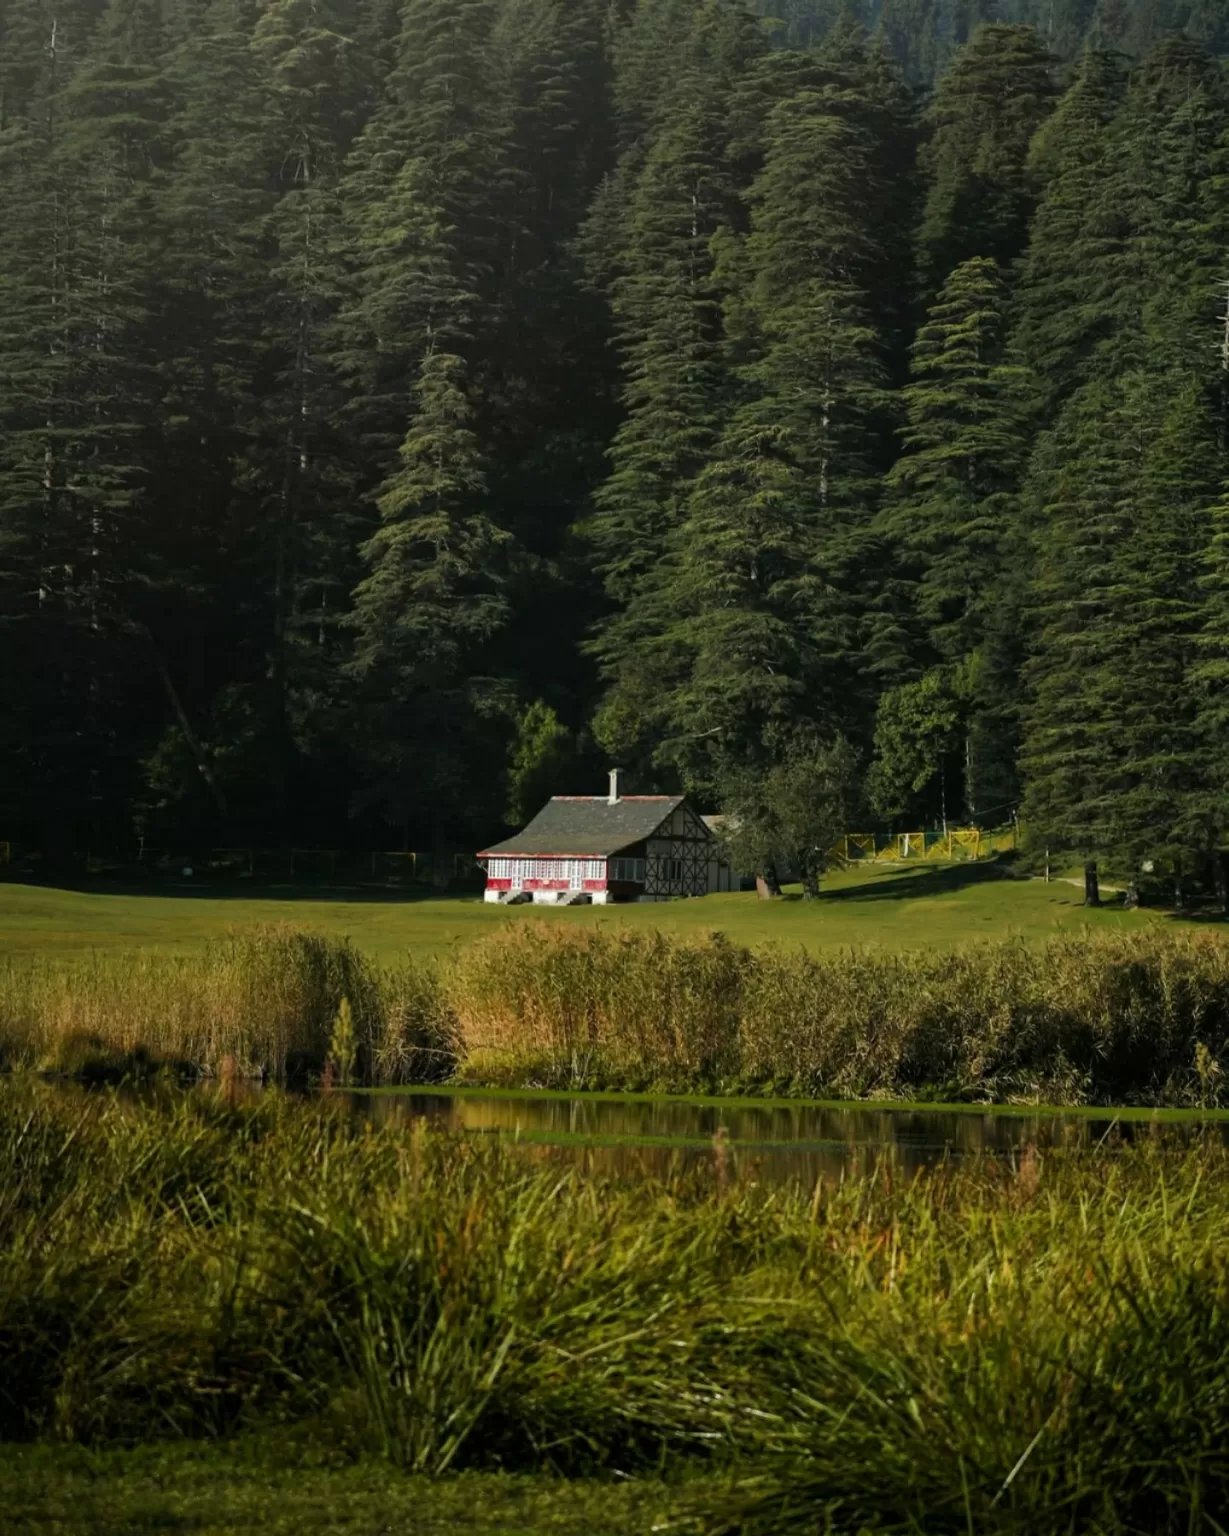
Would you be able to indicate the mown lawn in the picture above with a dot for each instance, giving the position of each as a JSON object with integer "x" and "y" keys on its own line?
{"x": 909, "y": 909}
{"x": 214, "y": 1492}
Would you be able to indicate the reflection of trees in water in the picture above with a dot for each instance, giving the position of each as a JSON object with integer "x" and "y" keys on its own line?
{"x": 768, "y": 1142}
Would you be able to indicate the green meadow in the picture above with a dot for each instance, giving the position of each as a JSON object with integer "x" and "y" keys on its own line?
{"x": 923, "y": 908}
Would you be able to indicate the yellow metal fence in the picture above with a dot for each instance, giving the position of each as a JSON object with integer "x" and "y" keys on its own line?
{"x": 957, "y": 843}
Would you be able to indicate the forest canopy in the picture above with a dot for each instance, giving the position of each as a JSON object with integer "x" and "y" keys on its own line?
{"x": 407, "y": 410}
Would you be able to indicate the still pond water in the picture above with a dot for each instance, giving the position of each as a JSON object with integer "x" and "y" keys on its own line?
{"x": 775, "y": 1141}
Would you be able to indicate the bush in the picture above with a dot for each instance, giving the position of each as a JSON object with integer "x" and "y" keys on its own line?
{"x": 414, "y": 1038}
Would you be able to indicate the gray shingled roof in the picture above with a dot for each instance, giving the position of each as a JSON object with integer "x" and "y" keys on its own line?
{"x": 588, "y": 826}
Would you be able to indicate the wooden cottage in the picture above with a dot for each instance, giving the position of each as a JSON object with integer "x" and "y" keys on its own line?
{"x": 606, "y": 848}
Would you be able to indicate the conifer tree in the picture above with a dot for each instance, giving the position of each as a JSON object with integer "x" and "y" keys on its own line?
{"x": 296, "y": 469}
{"x": 1114, "y": 489}
{"x": 209, "y": 211}
{"x": 1151, "y": 264}
{"x": 911, "y": 29}
{"x": 660, "y": 44}
{"x": 954, "y": 514}
{"x": 449, "y": 116}
{"x": 547, "y": 343}
{"x": 954, "y": 507}
{"x": 986, "y": 108}
{"x": 77, "y": 401}
{"x": 1208, "y": 675}
{"x": 666, "y": 302}
{"x": 1110, "y": 753}
{"x": 777, "y": 525}
{"x": 432, "y": 598}
{"x": 1062, "y": 282}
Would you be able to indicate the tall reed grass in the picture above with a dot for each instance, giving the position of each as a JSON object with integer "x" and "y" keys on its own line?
{"x": 1095, "y": 1019}
{"x": 1038, "y": 1348}
{"x": 264, "y": 1000}
{"x": 1112, "y": 1018}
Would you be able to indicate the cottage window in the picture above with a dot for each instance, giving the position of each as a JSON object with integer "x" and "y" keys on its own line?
{"x": 627, "y": 869}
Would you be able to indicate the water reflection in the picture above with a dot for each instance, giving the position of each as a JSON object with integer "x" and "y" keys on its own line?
{"x": 775, "y": 1142}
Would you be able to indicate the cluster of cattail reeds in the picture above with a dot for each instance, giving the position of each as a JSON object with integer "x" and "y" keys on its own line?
{"x": 1039, "y": 1348}
{"x": 1107, "y": 1018}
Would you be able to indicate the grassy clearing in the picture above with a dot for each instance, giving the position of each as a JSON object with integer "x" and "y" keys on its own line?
{"x": 1033, "y": 1348}
{"x": 905, "y": 909}
{"x": 1103, "y": 1019}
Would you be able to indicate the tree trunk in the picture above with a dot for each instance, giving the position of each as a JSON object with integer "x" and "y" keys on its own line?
{"x": 942, "y": 798}
{"x": 1092, "y": 885}
{"x": 201, "y": 757}
{"x": 968, "y": 776}
{"x": 1220, "y": 876}
{"x": 810, "y": 879}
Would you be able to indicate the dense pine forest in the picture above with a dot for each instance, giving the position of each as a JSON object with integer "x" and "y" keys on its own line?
{"x": 407, "y": 410}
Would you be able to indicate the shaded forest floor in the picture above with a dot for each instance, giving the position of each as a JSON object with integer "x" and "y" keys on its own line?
{"x": 927, "y": 907}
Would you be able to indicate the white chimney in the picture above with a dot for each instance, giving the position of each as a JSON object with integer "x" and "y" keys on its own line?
{"x": 614, "y": 787}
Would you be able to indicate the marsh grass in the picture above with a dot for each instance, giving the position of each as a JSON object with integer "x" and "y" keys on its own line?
{"x": 575, "y": 1007}
{"x": 1041, "y": 1347}
{"x": 1107, "y": 1018}
{"x": 412, "y": 1036}
{"x": 268, "y": 999}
